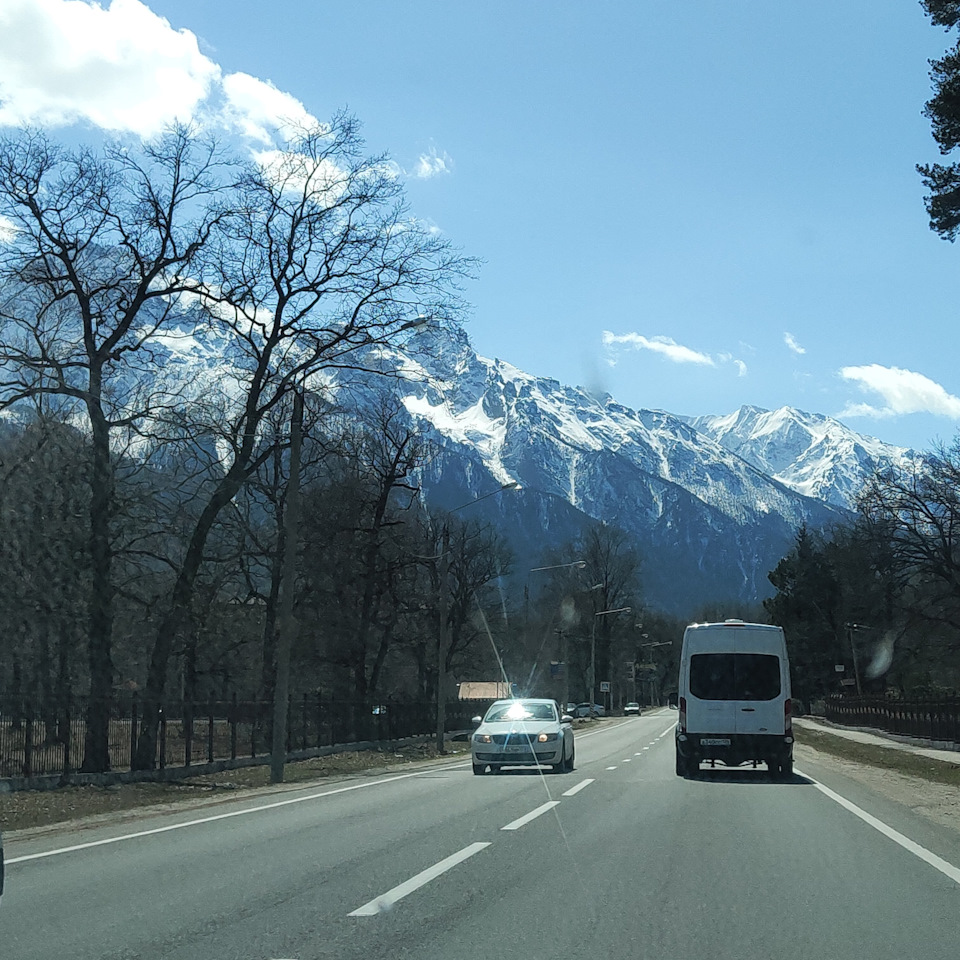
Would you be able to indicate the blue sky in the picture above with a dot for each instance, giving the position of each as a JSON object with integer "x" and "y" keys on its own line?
{"x": 691, "y": 206}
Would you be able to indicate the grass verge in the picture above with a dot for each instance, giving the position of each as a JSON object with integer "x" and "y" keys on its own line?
{"x": 884, "y": 758}
{"x": 35, "y": 808}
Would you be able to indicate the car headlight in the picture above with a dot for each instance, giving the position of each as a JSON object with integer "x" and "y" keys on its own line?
{"x": 482, "y": 738}
{"x": 544, "y": 737}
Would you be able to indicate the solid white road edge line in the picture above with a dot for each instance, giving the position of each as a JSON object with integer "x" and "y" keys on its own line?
{"x": 578, "y": 787}
{"x": 532, "y": 815}
{"x": 224, "y": 816}
{"x": 385, "y": 901}
{"x": 938, "y": 863}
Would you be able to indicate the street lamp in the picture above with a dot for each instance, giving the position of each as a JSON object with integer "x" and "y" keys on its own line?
{"x": 593, "y": 648}
{"x": 443, "y": 640}
{"x": 655, "y": 681}
{"x": 851, "y": 627}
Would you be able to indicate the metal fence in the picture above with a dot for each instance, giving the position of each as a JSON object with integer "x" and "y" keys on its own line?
{"x": 38, "y": 739}
{"x": 926, "y": 719}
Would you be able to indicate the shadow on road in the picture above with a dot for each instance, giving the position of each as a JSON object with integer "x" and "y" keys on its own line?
{"x": 751, "y": 775}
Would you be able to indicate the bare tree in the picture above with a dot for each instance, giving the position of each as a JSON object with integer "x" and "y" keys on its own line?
{"x": 319, "y": 265}
{"x": 97, "y": 250}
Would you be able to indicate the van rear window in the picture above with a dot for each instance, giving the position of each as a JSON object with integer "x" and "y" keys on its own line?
{"x": 734, "y": 676}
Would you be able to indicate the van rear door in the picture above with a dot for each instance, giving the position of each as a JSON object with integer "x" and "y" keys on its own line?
{"x": 758, "y": 678}
{"x": 711, "y": 707}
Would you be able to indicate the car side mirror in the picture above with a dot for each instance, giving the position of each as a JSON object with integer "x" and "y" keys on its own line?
{"x": 476, "y": 721}
{"x": 566, "y": 718}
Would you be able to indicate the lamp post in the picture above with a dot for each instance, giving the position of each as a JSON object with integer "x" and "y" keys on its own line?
{"x": 593, "y": 648}
{"x": 851, "y": 627}
{"x": 655, "y": 682}
{"x": 443, "y": 639}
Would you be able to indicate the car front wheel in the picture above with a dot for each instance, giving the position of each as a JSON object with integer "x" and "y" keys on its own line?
{"x": 479, "y": 769}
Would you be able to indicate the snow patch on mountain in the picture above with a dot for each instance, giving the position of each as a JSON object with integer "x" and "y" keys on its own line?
{"x": 811, "y": 453}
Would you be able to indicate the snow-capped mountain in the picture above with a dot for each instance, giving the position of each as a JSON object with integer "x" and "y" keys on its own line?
{"x": 808, "y": 452}
{"x": 710, "y": 524}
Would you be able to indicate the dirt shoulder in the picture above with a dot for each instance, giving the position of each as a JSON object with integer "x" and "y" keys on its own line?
{"x": 929, "y": 787}
{"x": 31, "y": 812}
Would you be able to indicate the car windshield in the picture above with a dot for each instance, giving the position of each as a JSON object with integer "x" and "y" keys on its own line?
{"x": 518, "y": 711}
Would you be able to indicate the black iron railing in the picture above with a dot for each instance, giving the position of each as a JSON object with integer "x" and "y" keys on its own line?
{"x": 48, "y": 738}
{"x": 926, "y": 719}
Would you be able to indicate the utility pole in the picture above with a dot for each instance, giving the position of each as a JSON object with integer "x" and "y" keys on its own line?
{"x": 287, "y": 622}
{"x": 443, "y": 641}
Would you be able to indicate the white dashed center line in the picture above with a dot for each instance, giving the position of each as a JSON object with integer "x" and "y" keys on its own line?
{"x": 578, "y": 787}
{"x": 532, "y": 815}
{"x": 388, "y": 899}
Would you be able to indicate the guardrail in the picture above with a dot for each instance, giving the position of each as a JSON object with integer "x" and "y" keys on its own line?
{"x": 47, "y": 739}
{"x": 925, "y": 719}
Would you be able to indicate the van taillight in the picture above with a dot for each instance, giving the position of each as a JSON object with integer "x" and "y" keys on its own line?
{"x": 787, "y": 721}
{"x": 683, "y": 714}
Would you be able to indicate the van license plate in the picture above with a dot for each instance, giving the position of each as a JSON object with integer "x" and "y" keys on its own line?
{"x": 714, "y": 741}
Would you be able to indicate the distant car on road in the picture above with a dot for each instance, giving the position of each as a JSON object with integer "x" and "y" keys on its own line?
{"x": 522, "y": 733}
{"x": 588, "y": 710}
{"x": 632, "y": 709}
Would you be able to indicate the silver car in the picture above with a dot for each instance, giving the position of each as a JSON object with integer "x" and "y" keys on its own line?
{"x": 523, "y": 733}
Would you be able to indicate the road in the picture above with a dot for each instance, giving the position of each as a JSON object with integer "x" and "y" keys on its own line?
{"x": 619, "y": 859}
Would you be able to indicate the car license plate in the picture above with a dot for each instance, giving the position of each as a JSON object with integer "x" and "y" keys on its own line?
{"x": 517, "y": 748}
{"x": 714, "y": 741}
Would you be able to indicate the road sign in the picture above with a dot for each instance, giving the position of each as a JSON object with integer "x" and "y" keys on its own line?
{"x": 839, "y": 667}
{"x": 848, "y": 682}
{"x": 604, "y": 686}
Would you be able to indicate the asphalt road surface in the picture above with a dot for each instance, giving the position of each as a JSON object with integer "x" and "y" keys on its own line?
{"x": 619, "y": 859}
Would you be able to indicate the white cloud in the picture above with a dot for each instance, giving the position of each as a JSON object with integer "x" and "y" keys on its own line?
{"x": 122, "y": 68}
{"x": 431, "y": 164}
{"x": 7, "y": 230}
{"x": 257, "y": 105}
{"x": 789, "y": 340}
{"x": 668, "y": 348}
{"x": 901, "y": 392}
{"x": 665, "y": 346}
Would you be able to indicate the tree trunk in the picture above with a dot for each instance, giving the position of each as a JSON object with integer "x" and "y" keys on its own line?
{"x": 96, "y": 747}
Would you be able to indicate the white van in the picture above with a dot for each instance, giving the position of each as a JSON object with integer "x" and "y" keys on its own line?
{"x": 734, "y": 697}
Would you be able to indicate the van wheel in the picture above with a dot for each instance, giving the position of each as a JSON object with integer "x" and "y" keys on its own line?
{"x": 774, "y": 767}
{"x": 692, "y": 765}
{"x": 786, "y": 769}
{"x": 681, "y": 765}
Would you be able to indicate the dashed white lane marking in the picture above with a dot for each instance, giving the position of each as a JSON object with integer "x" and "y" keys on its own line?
{"x": 626, "y": 759}
{"x": 638, "y": 754}
{"x": 532, "y": 815}
{"x": 385, "y": 901}
{"x": 938, "y": 863}
{"x": 611, "y": 768}
{"x": 646, "y": 748}
{"x": 578, "y": 787}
